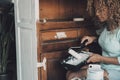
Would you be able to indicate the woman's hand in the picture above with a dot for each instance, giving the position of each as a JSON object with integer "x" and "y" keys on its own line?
{"x": 89, "y": 38}
{"x": 95, "y": 58}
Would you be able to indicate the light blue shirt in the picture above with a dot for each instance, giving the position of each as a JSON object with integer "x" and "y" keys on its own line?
{"x": 110, "y": 44}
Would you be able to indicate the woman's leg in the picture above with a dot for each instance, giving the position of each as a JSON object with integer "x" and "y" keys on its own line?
{"x": 80, "y": 74}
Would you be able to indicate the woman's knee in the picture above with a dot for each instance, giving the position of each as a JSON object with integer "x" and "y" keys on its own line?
{"x": 70, "y": 75}
{"x": 79, "y": 74}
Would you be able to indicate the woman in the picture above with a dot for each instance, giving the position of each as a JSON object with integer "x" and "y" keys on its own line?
{"x": 108, "y": 14}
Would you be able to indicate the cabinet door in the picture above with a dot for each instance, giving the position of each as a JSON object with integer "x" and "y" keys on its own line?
{"x": 54, "y": 70}
{"x": 26, "y": 40}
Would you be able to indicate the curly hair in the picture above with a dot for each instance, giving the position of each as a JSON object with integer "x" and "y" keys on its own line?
{"x": 113, "y": 11}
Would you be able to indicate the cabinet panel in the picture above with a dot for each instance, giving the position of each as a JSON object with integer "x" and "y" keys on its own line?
{"x": 49, "y": 8}
{"x": 58, "y": 46}
{"x": 83, "y": 31}
{"x": 62, "y": 9}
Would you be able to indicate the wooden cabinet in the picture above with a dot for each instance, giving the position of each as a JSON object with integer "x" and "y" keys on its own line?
{"x": 56, "y": 32}
{"x": 45, "y": 29}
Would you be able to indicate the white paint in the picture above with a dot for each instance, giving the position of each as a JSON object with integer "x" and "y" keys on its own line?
{"x": 60, "y": 35}
{"x": 78, "y": 19}
{"x": 42, "y": 64}
{"x": 26, "y": 39}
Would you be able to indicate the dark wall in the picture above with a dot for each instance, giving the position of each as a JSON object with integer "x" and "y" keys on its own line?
{"x": 7, "y": 19}
{"x": 3, "y": 3}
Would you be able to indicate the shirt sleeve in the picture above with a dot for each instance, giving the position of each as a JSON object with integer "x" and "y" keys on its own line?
{"x": 118, "y": 59}
{"x": 118, "y": 35}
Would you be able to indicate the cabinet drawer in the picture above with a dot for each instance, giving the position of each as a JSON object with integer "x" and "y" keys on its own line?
{"x": 59, "y": 35}
{"x": 58, "y": 45}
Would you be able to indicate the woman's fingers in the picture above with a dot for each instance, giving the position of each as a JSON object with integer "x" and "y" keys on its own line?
{"x": 89, "y": 38}
{"x": 94, "y": 58}
{"x": 85, "y": 38}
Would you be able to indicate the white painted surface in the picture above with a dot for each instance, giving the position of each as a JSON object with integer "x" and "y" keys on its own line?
{"x": 26, "y": 41}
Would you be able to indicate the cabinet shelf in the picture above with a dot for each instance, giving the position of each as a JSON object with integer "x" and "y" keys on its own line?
{"x": 60, "y": 25}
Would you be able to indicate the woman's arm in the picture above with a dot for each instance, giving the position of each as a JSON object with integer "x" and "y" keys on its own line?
{"x": 110, "y": 60}
{"x": 94, "y": 58}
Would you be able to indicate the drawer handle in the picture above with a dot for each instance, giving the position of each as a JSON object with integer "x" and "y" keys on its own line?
{"x": 42, "y": 64}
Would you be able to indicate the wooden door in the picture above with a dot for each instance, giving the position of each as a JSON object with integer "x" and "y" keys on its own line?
{"x": 54, "y": 69}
